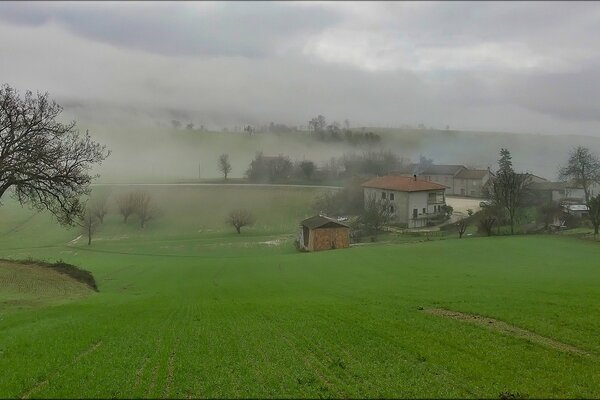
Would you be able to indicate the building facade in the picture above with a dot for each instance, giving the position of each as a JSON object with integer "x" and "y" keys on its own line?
{"x": 322, "y": 233}
{"x": 412, "y": 201}
{"x": 459, "y": 180}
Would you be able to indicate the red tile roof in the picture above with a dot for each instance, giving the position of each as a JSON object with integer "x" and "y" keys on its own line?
{"x": 402, "y": 184}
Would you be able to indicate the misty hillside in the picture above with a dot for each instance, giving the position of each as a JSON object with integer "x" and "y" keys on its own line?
{"x": 158, "y": 154}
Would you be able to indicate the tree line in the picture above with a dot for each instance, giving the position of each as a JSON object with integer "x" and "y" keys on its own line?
{"x": 280, "y": 168}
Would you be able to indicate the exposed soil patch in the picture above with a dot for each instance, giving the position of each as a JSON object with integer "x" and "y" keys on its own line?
{"x": 508, "y": 329}
{"x": 72, "y": 271}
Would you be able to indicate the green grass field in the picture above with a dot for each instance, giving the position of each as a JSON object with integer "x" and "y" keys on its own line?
{"x": 188, "y": 308}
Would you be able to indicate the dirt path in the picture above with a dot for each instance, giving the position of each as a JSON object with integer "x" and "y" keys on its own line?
{"x": 508, "y": 329}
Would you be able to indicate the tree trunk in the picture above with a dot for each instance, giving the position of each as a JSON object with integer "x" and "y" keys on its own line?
{"x": 238, "y": 229}
{"x": 89, "y": 235}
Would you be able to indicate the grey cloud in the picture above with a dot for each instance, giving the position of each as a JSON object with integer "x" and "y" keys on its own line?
{"x": 245, "y": 29}
{"x": 221, "y": 66}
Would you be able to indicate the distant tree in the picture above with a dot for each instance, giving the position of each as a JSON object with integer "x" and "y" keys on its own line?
{"x": 99, "y": 207}
{"x": 190, "y": 127}
{"x": 144, "y": 207}
{"x": 583, "y": 168}
{"x": 376, "y": 213}
{"x": 487, "y": 220}
{"x": 88, "y": 222}
{"x": 308, "y": 168}
{"x": 317, "y": 124}
{"x": 269, "y": 169}
{"x": 462, "y": 226}
{"x": 127, "y": 204}
{"x": 240, "y": 218}
{"x": 176, "y": 123}
{"x": 224, "y": 165}
{"x": 44, "y": 162}
{"x": 594, "y": 212}
{"x": 348, "y": 201}
{"x": 507, "y": 189}
{"x": 505, "y": 161}
{"x": 249, "y": 129}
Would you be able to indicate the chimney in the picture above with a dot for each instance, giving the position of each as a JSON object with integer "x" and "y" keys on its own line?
{"x": 415, "y": 177}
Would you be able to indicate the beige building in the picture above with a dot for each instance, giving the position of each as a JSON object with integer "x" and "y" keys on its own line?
{"x": 412, "y": 201}
{"x": 460, "y": 180}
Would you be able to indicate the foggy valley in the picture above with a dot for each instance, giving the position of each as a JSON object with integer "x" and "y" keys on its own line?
{"x": 299, "y": 199}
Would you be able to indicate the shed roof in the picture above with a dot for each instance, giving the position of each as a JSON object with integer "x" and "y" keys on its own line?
{"x": 319, "y": 221}
{"x": 402, "y": 184}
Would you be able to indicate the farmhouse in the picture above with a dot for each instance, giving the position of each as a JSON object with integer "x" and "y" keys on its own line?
{"x": 323, "y": 233}
{"x": 459, "y": 180}
{"x": 412, "y": 201}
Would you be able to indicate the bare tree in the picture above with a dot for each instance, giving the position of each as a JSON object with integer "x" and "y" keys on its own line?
{"x": 594, "y": 212}
{"x": 144, "y": 207}
{"x": 377, "y": 212}
{"x": 127, "y": 204}
{"x": 46, "y": 163}
{"x": 88, "y": 222}
{"x": 583, "y": 168}
{"x": 487, "y": 220}
{"x": 462, "y": 226}
{"x": 99, "y": 206}
{"x": 224, "y": 165}
{"x": 240, "y": 218}
{"x": 486, "y": 224}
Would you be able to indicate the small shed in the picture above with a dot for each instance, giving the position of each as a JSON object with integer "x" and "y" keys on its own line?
{"x": 323, "y": 233}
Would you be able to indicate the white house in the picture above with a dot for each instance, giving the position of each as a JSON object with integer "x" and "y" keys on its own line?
{"x": 412, "y": 201}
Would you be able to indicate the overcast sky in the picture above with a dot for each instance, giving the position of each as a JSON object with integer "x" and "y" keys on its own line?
{"x": 514, "y": 66}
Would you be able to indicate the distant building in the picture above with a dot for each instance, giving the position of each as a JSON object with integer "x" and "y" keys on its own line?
{"x": 556, "y": 192}
{"x": 323, "y": 233}
{"x": 412, "y": 201}
{"x": 459, "y": 180}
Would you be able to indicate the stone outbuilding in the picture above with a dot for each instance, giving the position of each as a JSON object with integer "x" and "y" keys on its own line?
{"x": 323, "y": 233}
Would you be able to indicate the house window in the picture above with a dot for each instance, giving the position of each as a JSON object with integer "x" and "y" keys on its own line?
{"x": 383, "y": 194}
{"x": 415, "y": 212}
{"x": 392, "y": 209}
{"x": 391, "y": 196}
{"x": 424, "y": 210}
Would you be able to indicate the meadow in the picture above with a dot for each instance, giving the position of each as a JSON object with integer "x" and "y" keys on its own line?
{"x": 188, "y": 308}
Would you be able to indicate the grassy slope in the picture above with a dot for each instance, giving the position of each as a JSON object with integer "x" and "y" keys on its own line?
{"x": 213, "y": 314}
